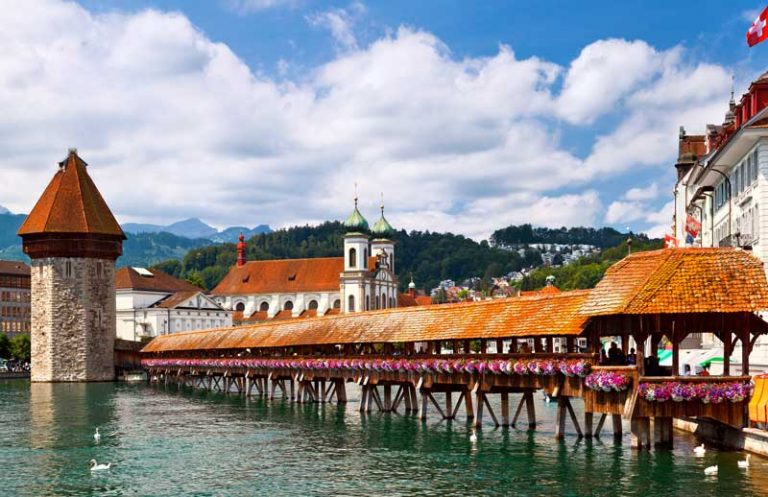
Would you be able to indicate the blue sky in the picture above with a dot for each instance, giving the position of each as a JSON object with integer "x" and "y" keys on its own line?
{"x": 468, "y": 116}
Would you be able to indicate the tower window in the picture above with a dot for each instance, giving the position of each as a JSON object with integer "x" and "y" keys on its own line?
{"x": 68, "y": 269}
{"x": 365, "y": 258}
{"x": 383, "y": 301}
{"x": 351, "y": 306}
{"x": 352, "y": 257}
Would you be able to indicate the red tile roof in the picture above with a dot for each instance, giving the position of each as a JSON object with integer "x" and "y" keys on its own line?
{"x": 127, "y": 278}
{"x": 175, "y": 299}
{"x": 686, "y": 280}
{"x": 71, "y": 204}
{"x": 282, "y": 276}
{"x": 15, "y": 268}
{"x": 407, "y": 300}
{"x": 521, "y": 316}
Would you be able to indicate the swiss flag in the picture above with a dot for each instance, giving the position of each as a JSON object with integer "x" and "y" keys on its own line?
{"x": 758, "y": 31}
{"x": 670, "y": 241}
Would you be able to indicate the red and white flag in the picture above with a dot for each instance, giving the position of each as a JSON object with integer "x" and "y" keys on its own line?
{"x": 758, "y": 31}
{"x": 670, "y": 241}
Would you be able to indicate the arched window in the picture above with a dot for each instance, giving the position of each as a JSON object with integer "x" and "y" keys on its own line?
{"x": 264, "y": 307}
{"x": 288, "y": 306}
{"x": 352, "y": 257}
{"x": 378, "y": 302}
{"x": 351, "y": 306}
{"x": 337, "y": 304}
{"x": 313, "y": 305}
{"x": 391, "y": 301}
{"x": 383, "y": 301}
{"x": 240, "y": 307}
{"x": 365, "y": 258}
{"x": 367, "y": 302}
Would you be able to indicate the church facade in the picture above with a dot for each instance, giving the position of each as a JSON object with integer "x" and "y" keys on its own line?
{"x": 362, "y": 279}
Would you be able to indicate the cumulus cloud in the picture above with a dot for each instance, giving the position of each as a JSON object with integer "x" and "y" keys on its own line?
{"x": 649, "y": 192}
{"x": 175, "y": 124}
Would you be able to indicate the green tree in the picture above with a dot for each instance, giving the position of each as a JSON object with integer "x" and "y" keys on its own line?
{"x": 171, "y": 266}
{"x": 5, "y": 346}
{"x": 21, "y": 347}
{"x": 196, "y": 278}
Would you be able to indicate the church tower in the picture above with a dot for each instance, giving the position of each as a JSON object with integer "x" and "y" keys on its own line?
{"x": 354, "y": 290}
{"x": 73, "y": 240}
{"x": 383, "y": 249}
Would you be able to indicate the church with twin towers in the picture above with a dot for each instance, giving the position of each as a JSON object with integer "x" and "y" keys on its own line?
{"x": 362, "y": 279}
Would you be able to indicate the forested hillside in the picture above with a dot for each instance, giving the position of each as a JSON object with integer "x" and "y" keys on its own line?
{"x": 429, "y": 257}
{"x": 526, "y": 234}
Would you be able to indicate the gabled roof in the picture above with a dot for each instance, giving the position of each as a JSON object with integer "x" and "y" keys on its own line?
{"x": 16, "y": 268}
{"x": 127, "y": 278}
{"x": 520, "y": 316}
{"x": 71, "y": 204}
{"x": 282, "y": 276}
{"x": 685, "y": 280}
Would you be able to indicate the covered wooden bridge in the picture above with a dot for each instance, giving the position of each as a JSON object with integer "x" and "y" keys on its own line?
{"x": 451, "y": 357}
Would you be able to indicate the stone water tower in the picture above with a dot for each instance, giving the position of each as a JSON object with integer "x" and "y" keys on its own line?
{"x": 73, "y": 240}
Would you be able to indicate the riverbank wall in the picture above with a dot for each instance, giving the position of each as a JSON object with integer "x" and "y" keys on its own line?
{"x": 748, "y": 439}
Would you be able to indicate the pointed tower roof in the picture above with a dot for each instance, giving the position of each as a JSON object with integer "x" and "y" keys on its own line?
{"x": 71, "y": 204}
{"x": 382, "y": 228}
{"x": 356, "y": 222}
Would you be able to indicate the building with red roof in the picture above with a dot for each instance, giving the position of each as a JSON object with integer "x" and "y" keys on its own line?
{"x": 360, "y": 280}
{"x": 151, "y": 303}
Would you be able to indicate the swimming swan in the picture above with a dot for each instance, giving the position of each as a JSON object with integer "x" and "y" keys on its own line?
{"x": 700, "y": 450}
{"x": 712, "y": 470}
{"x": 745, "y": 463}
{"x": 97, "y": 436}
{"x": 99, "y": 467}
{"x": 473, "y": 437}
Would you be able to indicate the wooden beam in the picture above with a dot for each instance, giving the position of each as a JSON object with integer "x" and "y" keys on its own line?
{"x": 600, "y": 424}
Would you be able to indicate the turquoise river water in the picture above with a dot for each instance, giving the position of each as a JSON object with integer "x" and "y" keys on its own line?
{"x": 168, "y": 442}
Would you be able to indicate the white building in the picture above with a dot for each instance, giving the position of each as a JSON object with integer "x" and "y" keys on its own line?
{"x": 722, "y": 189}
{"x": 151, "y": 303}
{"x": 362, "y": 279}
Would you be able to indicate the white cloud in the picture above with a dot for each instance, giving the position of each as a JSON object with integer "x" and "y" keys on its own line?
{"x": 650, "y": 192}
{"x": 176, "y": 125}
{"x": 624, "y": 212}
{"x": 341, "y": 24}
{"x": 603, "y": 73}
{"x": 250, "y": 6}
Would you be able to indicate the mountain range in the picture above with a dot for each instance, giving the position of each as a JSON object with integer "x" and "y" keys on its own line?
{"x": 147, "y": 244}
{"x": 195, "y": 228}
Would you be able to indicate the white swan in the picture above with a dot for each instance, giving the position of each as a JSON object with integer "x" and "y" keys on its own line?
{"x": 712, "y": 470}
{"x": 700, "y": 450}
{"x": 99, "y": 467}
{"x": 473, "y": 437}
{"x": 97, "y": 436}
{"x": 745, "y": 463}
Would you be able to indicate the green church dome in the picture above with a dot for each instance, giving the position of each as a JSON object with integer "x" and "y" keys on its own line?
{"x": 356, "y": 221}
{"x": 382, "y": 226}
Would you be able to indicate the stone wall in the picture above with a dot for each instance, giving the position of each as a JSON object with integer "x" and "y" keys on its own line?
{"x": 73, "y": 319}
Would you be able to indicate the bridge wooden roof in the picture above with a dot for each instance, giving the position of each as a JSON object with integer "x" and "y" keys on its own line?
{"x": 539, "y": 315}
{"x": 681, "y": 281}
